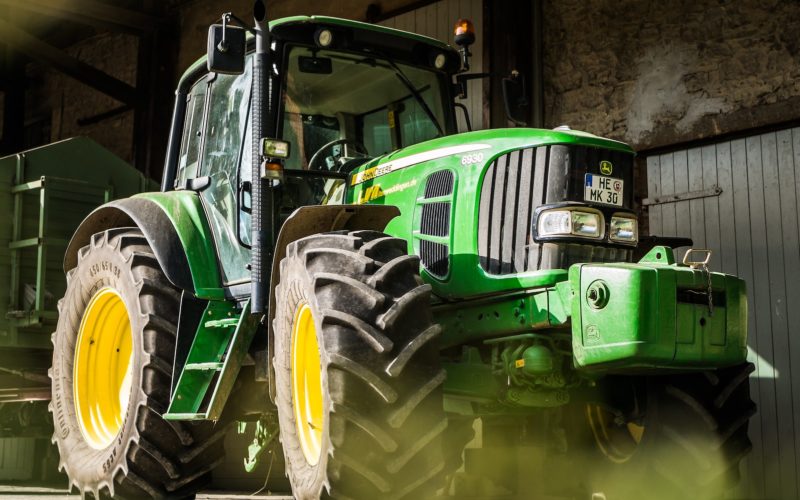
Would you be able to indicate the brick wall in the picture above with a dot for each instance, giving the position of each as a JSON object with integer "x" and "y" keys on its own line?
{"x": 71, "y": 102}
{"x": 659, "y": 73}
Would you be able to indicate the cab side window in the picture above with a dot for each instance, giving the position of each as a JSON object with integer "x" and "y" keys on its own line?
{"x": 189, "y": 160}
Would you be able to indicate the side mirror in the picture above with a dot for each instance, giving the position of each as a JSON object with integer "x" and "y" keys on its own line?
{"x": 515, "y": 98}
{"x": 226, "y": 48}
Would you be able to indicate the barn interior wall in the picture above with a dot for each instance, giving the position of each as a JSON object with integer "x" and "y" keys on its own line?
{"x": 648, "y": 73}
{"x": 196, "y": 16}
{"x": 72, "y": 103}
{"x": 660, "y": 73}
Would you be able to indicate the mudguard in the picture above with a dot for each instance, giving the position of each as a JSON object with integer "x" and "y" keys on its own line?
{"x": 175, "y": 227}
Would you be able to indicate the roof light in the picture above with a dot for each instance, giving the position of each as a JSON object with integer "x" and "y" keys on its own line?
{"x": 464, "y": 32}
{"x": 324, "y": 37}
{"x": 439, "y": 61}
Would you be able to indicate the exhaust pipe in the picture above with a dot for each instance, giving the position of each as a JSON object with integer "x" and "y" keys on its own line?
{"x": 263, "y": 126}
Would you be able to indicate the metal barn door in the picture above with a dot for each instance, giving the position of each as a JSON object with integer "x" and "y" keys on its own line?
{"x": 741, "y": 198}
{"x": 437, "y": 20}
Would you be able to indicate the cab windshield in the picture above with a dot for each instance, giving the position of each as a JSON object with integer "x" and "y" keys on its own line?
{"x": 368, "y": 105}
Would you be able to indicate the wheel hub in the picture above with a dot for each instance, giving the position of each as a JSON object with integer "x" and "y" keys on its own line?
{"x": 307, "y": 396}
{"x": 616, "y": 440}
{"x": 103, "y": 366}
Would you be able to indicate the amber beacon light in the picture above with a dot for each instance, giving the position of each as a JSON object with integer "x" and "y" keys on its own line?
{"x": 464, "y": 32}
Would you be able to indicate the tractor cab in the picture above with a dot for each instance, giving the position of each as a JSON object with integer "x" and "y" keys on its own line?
{"x": 343, "y": 93}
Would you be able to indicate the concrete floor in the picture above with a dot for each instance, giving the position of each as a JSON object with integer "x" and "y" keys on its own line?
{"x": 16, "y": 492}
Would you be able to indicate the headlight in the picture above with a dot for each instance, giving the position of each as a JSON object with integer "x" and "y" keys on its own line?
{"x": 623, "y": 230}
{"x": 570, "y": 222}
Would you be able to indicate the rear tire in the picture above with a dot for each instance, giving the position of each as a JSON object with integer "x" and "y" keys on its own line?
{"x": 693, "y": 439}
{"x": 378, "y": 429}
{"x": 141, "y": 455}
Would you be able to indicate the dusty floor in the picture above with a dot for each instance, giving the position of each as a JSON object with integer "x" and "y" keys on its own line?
{"x": 10, "y": 492}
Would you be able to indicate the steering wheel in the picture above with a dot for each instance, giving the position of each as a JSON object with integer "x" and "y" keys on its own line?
{"x": 318, "y": 156}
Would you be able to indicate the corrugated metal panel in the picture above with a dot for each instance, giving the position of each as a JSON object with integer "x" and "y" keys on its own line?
{"x": 16, "y": 459}
{"x": 437, "y": 21}
{"x": 753, "y": 228}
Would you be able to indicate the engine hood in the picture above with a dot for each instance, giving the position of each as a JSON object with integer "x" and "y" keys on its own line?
{"x": 492, "y": 143}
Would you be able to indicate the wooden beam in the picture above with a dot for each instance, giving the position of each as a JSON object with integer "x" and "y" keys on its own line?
{"x": 13, "y": 116}
{"x": 90, "y": 12}
{"x": 23, "y": 42}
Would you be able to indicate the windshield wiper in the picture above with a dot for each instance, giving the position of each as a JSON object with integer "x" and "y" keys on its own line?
{"x": 411, "y": 88}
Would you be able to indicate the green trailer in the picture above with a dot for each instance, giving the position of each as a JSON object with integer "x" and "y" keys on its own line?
{"x": 330, "y": 262}
{"x": 44, "y": 195}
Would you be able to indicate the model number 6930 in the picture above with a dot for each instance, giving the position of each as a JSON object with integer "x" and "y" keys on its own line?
{"x": 472, "y": 158}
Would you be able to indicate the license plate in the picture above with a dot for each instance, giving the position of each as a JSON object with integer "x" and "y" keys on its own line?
{"x": 602, "y": 189}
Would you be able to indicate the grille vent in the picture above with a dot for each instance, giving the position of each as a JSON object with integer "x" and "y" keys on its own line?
{"x": 435, "y": 257}
{"x": 435, "y": 221}
{"x": 439, "y": 184}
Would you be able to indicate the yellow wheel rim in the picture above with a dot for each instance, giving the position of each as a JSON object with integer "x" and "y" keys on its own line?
{"x": 616, "y": 441}
{"x": 103, "y": 368}
{"x": 307, "y": 398}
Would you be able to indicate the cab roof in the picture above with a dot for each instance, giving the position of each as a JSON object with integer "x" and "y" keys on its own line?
{"x": 336, "y": 21}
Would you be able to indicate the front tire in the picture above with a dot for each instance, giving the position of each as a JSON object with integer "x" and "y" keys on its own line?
{"x": 111, "y": 373}
{"x": 688, "y": 441}
{"x": 358, "y": 375}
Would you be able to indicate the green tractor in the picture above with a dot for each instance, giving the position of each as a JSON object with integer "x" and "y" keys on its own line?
{"x": 329, "y": 258}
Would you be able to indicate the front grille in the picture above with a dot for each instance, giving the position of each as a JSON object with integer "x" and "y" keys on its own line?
{"x": 434, "y": 256}
{"x": 512, "y": 187}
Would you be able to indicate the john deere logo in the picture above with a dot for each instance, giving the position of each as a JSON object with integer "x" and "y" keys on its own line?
{"x": 606, "y": 167}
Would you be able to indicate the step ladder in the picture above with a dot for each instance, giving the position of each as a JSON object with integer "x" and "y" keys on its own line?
{"x": 213, "y": 363}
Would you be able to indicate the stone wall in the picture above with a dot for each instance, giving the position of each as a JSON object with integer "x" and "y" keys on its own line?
{"x": 662, "y": 73}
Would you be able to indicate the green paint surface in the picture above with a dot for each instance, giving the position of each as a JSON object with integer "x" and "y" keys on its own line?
{"x": 657, "y": 316}
{"x": 189, "y": 220}
{"x": 405, "y": 187}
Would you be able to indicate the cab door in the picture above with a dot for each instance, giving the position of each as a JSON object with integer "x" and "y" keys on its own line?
{"x": 211, "y": 152}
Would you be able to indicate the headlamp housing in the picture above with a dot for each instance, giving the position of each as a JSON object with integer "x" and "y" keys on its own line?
{"x": 569, "y": 222}
{"x": 623, "y": 228}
